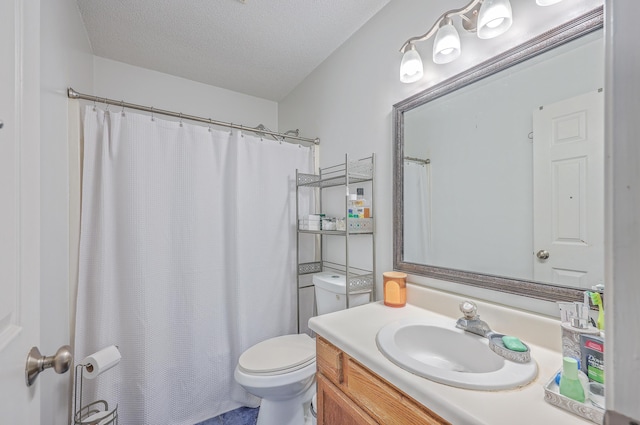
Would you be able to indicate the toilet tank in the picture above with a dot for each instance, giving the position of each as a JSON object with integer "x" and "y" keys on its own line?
{"x": 331, "y": 293}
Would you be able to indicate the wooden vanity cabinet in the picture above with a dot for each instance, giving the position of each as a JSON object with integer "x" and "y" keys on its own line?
{"x": 351, "y": 394}
{"x": 334, "y": 407}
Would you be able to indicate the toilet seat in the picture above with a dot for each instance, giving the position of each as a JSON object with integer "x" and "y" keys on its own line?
{"x": 278, "y": 355}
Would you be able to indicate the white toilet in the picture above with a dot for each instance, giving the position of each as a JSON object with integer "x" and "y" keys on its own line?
{"x": 331, "y": 293}
{"x": 282, "y": 370}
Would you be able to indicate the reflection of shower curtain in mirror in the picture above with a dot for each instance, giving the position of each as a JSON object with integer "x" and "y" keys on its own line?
{"x": 417, "y": 212}
{"x": 187, "y": 258}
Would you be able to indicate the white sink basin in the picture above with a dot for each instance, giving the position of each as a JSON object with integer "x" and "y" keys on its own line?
{"x": 437, "y": 350}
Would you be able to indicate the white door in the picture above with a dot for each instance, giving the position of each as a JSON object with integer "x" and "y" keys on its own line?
{"x": 568, "y": 196}
{"x": 19, "y": 212}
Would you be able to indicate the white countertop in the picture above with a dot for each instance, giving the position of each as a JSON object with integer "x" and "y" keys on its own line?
{"x": 354, "y": 331}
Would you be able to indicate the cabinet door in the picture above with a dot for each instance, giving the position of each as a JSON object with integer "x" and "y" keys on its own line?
{"x": 335, "y": 408}
{"x": 384, "y": 402}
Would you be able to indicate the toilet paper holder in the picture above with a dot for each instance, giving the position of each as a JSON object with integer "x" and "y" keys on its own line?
{"x": 96, "y": 412}
{"x": 93, "y": 413}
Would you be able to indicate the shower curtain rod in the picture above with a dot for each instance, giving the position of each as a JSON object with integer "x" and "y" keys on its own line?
{"x": 414, "y": 159}
{"x": 260, "y": 129}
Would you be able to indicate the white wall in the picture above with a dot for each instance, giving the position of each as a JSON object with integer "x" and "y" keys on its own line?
{"x": 117, "y": 80}
{"x": 66, "y": 59}
{"x": 623, "y": 200}
{"x": 347, "y": 102}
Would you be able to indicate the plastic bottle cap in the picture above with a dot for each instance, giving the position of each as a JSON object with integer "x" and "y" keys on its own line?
{"x": 570, "y": 368}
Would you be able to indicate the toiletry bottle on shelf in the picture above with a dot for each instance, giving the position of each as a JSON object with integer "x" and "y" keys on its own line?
{"x": 361, "y": 204}
{"x": 360, "y": 196}
{"x": 352, "y": 209}
{"x": 570, "y": 385}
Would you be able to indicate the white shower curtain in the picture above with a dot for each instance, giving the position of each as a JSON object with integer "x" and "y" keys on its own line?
{"x": 417, "y": 212}
{"x": 187, "y": 258}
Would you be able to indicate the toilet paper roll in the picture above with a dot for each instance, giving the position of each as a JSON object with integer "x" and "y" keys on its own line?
{"x": 101, "y": 361}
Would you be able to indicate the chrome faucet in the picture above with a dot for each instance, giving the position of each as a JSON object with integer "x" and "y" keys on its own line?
{"x": 471, "y": 321}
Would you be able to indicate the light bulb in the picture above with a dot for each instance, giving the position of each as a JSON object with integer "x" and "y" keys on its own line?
{"x": 411, "y": 66}
{"x": 547, "y": 2}
{"x": 494, "y": 18}
{"x": 446, "y": 46}
{"x": 495, "y": 22}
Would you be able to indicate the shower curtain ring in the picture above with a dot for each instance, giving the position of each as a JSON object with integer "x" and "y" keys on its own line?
{"x": 152, "y": 118}
{"x": 180, "y": 119}
{"x": 209, "y": 125}
{"x": 230, "y": 128}
{"x": 95, "y": 99}
{"x": 122, "y": 104}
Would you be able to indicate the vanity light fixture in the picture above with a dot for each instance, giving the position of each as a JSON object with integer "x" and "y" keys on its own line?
{"x": 487, "y": 18}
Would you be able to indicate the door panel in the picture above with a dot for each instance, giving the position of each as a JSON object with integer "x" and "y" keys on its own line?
{"x": 9, "y": 329}
{"x": 19, "y": 208}
{"x": 568, "y": 177}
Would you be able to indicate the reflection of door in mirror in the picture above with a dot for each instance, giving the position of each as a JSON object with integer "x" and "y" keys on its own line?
{"x": 481, "y": 210}
{"x": 417, "y": 229}
{"x": 568, "y": 176}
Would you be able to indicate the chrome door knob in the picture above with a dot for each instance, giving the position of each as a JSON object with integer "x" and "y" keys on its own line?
{"x": 36, "y": 363}
{"x": 542, "y": 254}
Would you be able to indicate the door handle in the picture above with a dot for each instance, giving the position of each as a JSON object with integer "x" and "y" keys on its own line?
{"x": 542, "y": 254}
{"x": 36, "y": 363}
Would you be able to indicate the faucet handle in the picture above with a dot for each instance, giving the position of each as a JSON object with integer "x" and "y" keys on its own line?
{"x": 469, "y": 309}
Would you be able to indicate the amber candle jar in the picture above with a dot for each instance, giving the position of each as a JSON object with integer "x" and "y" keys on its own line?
{"x": 395, "y": 289}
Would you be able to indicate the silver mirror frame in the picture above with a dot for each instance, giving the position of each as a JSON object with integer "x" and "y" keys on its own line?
{"x": 562, "y": 34}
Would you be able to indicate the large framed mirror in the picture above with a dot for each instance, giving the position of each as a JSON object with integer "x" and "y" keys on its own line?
{"x": 499, "y": 171}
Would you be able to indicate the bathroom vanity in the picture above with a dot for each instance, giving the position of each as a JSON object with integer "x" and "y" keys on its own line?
{"x": 349, "y": 393}
{"x": 357, "y": 384}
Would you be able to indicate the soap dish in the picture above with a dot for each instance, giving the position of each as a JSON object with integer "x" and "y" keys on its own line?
{"x": 496, "y": 344}
{"x": 585, "y": 410}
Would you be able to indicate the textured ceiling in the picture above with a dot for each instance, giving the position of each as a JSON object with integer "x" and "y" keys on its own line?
{"x": 264, "y": 48}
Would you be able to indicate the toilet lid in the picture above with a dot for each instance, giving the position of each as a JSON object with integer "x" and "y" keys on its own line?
{"x": 279, "y": 354}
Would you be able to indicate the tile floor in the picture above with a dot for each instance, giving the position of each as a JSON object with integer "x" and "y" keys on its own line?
{"x": 241, "y": 416}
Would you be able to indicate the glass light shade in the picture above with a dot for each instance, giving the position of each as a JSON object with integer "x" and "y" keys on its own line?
{"x": 547, "y": 2}
{"x": 446, "y": 46}
{"x": 411, "y": 66}
{"x": 494, "y": 18}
